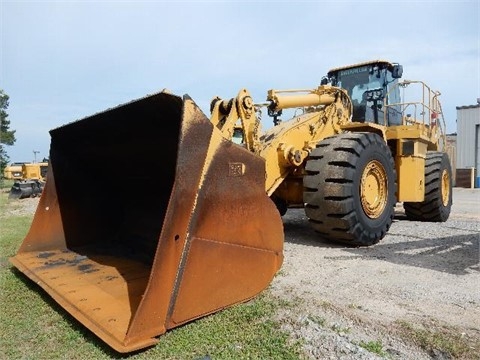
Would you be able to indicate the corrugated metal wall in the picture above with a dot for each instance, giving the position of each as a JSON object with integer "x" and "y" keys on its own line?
{"x": 468, "y": 117}
{"x": 468, "y": 141}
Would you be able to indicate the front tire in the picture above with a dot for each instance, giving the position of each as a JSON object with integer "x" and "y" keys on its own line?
{"x": 437, "y": 203}
{"x": 349, "y": 188}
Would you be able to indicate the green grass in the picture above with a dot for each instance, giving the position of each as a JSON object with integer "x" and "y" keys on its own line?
{"x": 321, "y": 321}
{"x": 445, "y": 339}
{"x": 375, "y": 347}
{"x": 32, "y": 326}
{"x": 6, "y": 184}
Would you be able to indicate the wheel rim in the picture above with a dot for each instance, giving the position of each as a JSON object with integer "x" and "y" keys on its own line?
{"x": 445, "y": 188}
{"x": 374, "y": 189}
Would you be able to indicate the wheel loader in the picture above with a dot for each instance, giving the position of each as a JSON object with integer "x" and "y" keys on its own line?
{"x": 202, "y": 230}
{"x": 31, "y": 181}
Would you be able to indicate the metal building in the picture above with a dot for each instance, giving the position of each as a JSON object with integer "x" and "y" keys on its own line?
{"x": 468, "y": 145}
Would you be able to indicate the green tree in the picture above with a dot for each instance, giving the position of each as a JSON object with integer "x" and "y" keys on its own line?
{"x": 7, "y": 136}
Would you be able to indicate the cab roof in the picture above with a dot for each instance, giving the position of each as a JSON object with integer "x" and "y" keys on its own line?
{"x": 386, "y": 63}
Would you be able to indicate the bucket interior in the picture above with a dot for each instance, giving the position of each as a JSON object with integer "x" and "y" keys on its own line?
{"x": 114, "y": 173}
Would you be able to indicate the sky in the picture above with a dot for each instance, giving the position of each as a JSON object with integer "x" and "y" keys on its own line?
{"x": 64, "y": 60}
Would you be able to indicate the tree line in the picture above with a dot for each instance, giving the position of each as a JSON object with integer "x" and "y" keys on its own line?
{"x": 7, "y": 136}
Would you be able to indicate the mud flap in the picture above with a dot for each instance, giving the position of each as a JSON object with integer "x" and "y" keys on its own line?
{"x": 150, "y": 219}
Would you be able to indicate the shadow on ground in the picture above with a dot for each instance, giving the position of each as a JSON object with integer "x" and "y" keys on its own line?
{"x": 456, "y": 254}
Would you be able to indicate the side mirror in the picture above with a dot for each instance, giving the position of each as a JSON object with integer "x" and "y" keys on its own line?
{"x": 397, "y": 71}
{"x": 324, "y": 81}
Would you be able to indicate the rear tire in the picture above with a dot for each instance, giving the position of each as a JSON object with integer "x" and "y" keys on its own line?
{"x": 349, "y": 188}
{"x": 438, "y": 191}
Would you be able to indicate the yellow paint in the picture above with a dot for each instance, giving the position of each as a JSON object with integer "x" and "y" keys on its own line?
{"x": 445, "y": 187}
{"x": 285, "y": 147}
{"x": 374, "y": 189}
{"x": 326, "y": 112}
{"x": 12, "y": 172}
{"x": 33, "y": 171}
{"x": 411, "y": 178}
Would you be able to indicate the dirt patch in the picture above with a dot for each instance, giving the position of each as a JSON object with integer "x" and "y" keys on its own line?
{"x": 422, "y": 275}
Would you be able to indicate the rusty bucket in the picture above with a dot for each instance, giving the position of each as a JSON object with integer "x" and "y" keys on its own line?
{"x": 150, "y": 219}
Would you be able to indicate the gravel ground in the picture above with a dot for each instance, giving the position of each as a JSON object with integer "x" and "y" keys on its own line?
{"x": 421, "y": 274}
{"x": 22, "y": 207}
{"x": 336, "y": 297}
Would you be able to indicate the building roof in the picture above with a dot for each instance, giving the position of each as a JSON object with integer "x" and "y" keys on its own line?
{"x": 477, "y": 105}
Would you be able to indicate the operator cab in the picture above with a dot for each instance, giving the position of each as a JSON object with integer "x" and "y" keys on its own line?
{"x": 370, "y": 85}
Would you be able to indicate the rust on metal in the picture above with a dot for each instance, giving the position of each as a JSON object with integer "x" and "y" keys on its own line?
{"x": 132, "y": 253}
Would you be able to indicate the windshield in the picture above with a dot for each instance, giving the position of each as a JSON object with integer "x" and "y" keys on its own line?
{"x": 357, "y": 81}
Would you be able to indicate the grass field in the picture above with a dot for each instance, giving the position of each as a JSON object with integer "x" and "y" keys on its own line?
{"x": 32, "y": 326}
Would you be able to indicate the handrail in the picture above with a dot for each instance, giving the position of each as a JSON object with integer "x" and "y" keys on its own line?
{"x": 427, "y": 110}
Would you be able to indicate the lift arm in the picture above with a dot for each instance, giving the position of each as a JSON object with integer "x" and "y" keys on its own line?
{"x": 285, "y": 146}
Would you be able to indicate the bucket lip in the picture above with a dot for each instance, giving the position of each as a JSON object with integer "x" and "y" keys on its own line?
{"x": 162, "y": 92}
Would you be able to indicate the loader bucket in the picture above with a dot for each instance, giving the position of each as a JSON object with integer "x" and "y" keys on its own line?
{"x": 150, "y": 219}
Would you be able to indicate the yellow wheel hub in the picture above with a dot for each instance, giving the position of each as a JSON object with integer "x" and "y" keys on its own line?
{"x": 374, "y": 189}
{"x": 445, "y": 186}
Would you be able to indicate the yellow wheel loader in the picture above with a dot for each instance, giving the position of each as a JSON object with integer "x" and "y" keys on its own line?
{"x": 203, "y": 230}
{"x": 31, "y": 181}
{"x": 353, "y": 154}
